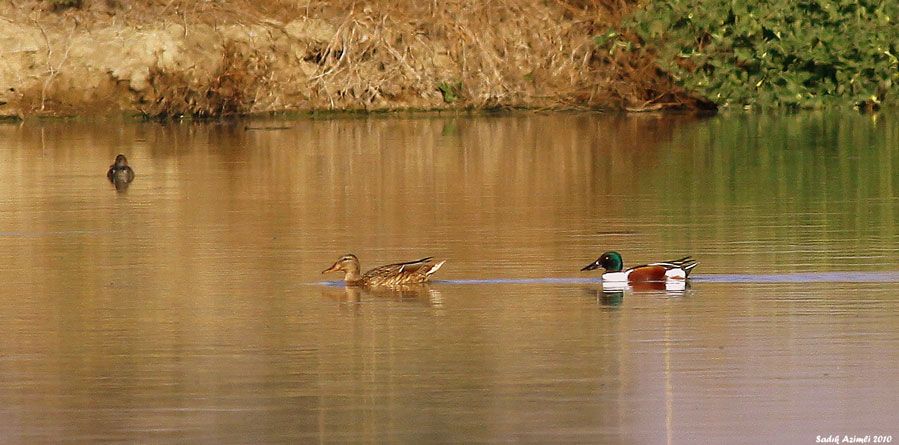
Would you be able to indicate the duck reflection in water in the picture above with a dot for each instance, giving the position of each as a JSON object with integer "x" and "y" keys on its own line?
{"x": 120, "y": 174}
{"x": 606, "y": 298}
{"x": 671, "y": 287}
{"x": 612, "y": 293}
{"x": 420, "y": 293}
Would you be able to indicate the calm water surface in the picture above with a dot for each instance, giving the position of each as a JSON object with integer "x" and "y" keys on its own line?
{"x": 191, "y": 309}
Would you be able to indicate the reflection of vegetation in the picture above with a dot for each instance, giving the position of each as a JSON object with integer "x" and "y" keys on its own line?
{"x": 450, "y": 128}
{"x": 777, "y": 52}
{"x": 820, "y": 186}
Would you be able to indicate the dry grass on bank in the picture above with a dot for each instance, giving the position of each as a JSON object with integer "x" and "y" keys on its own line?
{"x": 502, "y": 53}
{"x": 390, "y": 54}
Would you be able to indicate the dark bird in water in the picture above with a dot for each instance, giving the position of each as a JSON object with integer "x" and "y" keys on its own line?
{"x": 411, "y": 272}
{"x": 119, "y": 171}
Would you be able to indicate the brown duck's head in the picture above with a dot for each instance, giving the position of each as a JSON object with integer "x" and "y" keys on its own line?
{"x": 348, "y": 263}
{"x": 121, "y": 161}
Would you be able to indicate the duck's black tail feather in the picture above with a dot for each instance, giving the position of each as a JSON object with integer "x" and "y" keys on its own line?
{"x": 686, "y": 263}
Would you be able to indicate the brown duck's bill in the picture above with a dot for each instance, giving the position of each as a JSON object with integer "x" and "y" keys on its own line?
{"x": 591, "y": 266}
{"x": 333, "y": 268}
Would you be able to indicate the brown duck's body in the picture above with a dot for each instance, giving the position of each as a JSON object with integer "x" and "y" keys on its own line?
{"x": 410, "y": 272}
{"x": 119, "y": 171}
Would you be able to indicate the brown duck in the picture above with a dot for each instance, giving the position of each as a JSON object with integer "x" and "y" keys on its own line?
{"x": 410, "y": 272}
{"x": 119, "y": 171}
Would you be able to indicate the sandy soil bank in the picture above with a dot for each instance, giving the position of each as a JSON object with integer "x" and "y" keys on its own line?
{"x": 209, "y": 58}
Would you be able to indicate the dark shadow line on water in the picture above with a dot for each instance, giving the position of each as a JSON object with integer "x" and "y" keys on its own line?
{"x": 799, "y": 277}
{"x": 54, "y": 233}
{"x": 803, "y": 277}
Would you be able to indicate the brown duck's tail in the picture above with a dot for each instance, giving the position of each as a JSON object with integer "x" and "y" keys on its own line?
{"x": 434, "y": 268}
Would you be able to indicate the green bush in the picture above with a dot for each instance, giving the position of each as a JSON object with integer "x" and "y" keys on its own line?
{"x": 58, "y": 5}
{"x": 805, "y": 53}
{"x": 64, "y": 4}
{"x": 451, "y": 91}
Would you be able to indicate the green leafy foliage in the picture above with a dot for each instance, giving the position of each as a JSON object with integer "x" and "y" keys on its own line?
{"x": 451, "y": 91}
{"x": 64, "y": 4}
{"x": 795, "y": 53}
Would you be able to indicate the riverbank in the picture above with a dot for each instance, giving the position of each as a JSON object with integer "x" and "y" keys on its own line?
{"x": 218, "y": 58}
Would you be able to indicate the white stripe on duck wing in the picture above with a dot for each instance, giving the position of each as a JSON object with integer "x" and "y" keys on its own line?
{"x": 678, "y": 269}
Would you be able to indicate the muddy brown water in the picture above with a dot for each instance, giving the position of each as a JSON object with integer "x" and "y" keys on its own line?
{"x": 189, "y": 308}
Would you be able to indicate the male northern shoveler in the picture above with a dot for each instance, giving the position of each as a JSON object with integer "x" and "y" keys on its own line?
{"x": 678, "y": 269}
{"x": 411, "y": 272}
{"x": 119, "y": 171}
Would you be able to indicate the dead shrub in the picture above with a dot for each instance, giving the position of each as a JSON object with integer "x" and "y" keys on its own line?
{"x": 230, "y": 91}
